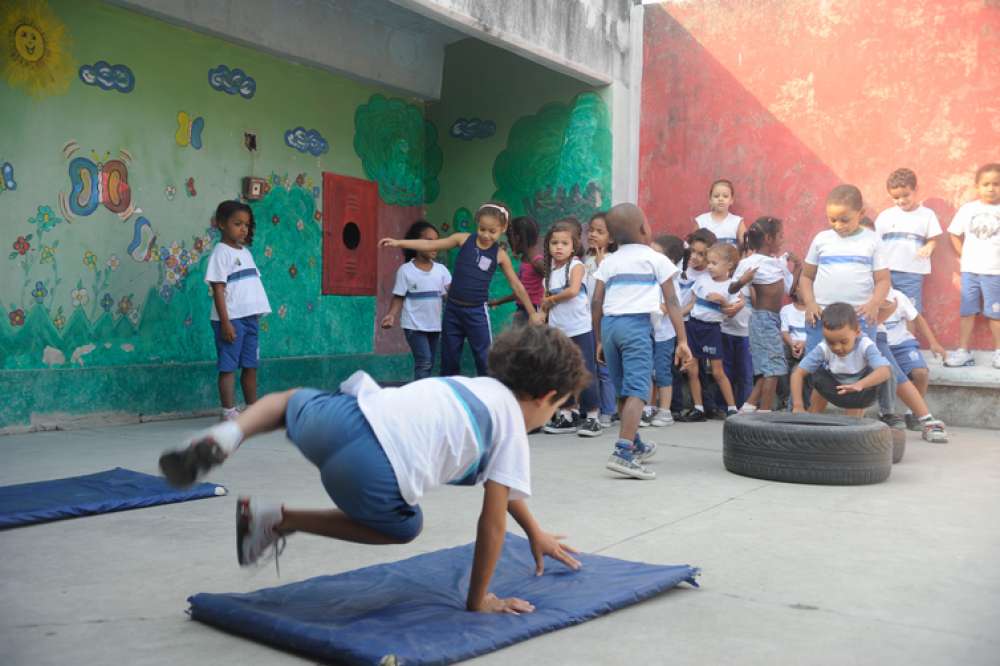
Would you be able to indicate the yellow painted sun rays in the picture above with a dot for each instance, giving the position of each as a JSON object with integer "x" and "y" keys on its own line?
{"x": 34, "y": 48}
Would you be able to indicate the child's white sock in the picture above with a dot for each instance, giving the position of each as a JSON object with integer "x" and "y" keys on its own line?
{"x": 592, "y": 414}
{"x": 747, "y": 408}
{"x": 731, "y": 409}
{"x": 227, "y": 435}
{"x": 700, "y": 408}
{"x": 566, "y": 414}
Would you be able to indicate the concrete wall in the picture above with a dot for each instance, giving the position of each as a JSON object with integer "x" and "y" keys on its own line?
{"x": 105, "y": 309}
{"x": 788, "y": 98}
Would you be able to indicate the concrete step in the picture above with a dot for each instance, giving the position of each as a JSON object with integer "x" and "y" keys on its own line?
{"x": 967, "y": 396}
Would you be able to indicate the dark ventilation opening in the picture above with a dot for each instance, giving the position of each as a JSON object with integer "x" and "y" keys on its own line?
{"x": 352, "y": 235}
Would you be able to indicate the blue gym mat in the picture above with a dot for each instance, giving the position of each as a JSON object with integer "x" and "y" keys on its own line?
{"x": 117, "y": 489}
{"x": 413, "y": 611}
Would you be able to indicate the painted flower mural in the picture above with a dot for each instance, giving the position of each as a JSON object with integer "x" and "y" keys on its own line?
{"x": 45, "y": 219}
{"x": 16, "y": 317}
{"x": 21, "y": 246}
{"x": 90, "y": 260}
{"x": 80, "y": 296}
{"x": 39, "y": 292}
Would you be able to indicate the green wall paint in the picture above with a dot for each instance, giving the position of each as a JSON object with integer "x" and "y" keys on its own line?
{"x": 80, "y": 311}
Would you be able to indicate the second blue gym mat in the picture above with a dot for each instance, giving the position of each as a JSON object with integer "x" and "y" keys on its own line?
{"x": 413, "y": 611}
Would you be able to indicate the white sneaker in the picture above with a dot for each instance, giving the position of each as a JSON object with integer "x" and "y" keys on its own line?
{"x": 256, "y": 530}
{"x": 604, "y": 420}
{"x": 934, "y": 432}
{"x": 662, "y": 418}
{"x": 996, "y": 359}
{"x": 229, "y": 414}
{"x": 628, "y": 466}
{"x": 962, "y": 357}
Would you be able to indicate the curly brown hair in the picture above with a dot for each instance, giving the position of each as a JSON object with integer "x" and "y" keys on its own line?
{"x": 533, "y": 360}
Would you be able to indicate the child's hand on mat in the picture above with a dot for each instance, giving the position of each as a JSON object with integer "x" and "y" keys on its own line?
{"x": 850, "y": 388}
{"x": 813, "y": 314}
{"x": 548, "y": 544}
{"x": 228, "y": 332}
{"x": 494, "y": 604}
{"x": 388, "y": 321}
{"x": 388, "y": 242}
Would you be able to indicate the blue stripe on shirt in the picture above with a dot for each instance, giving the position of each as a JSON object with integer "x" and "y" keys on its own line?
{"x": 727, "y": 239}
{"x": 846, "y": 259}
{"x": 482, "y": 426}
{"x": 708, "y": 304}
{"x": 632, "y": 278}
{"x": 244, "y": 274}
{"x": 423, "y": 294}
{"x": 904, "y": 236}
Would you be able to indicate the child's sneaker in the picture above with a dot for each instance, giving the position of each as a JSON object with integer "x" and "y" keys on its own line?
{"x": 692, "y": 415}
{"x": 229, "y": 414}
{"x": 996, "y": 359}
{"x": 647, "y": 416}
{"x": 662, "y": 418}
{"x": 894, "y": 421}
{"x": 604, "y": 420}
{"x": 623, "y": 462}
{"x": 934, "y": 431}
{"x": 961, "y": 357}
{"x": 589, "y": 428}
{"x": 912, "y": 422}
{"x": 182, "y": 467}
{"x": 256, "y": 530}
{"x": 643, "y": 451}
{"x": 561, "y": 425}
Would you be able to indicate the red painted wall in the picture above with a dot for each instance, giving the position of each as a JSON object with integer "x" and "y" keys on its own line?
{"x": 789, "y": 98}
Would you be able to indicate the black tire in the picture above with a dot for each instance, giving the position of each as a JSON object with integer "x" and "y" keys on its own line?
{"x": 808, "y": 448}
{"x": 898, "y": 445}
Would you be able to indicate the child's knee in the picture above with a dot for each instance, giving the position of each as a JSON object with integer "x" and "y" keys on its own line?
{"x": 919, "y": 374}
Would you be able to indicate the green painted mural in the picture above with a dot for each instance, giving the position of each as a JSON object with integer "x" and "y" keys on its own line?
{"x": 107, "y": 226}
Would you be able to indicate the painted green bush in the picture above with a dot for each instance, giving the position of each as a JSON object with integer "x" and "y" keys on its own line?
{"x": 557, "y": 162}
{"x": 399, "y": 150}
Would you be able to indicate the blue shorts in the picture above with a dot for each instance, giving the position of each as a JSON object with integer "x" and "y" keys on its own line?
{"x": 704, "y": 338}
{"x": 663, "y": 362}
{"x": 980, "y": 294}
{"x": 244, "y": 351}
{"x": 767, "y": 348}
{"x": 882, "y": 343}
{"x": 333, "y": 434}
{"x": 628, "y": 350}
{"x": 911, "y": 284}
{"x": 908, "y": 356}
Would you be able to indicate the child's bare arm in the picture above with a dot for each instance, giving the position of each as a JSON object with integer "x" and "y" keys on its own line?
{"x": 875, "y": 377}
{"x": 744, "y": 280}
{"x": 956, "y": 242}
{"x": 927, "y": 249}
{"x": 515, "y": 283}
{"x": 596, "y": 314}
{"x": 682, "y": 353}
{"x": 389, "y": 320}
{"x": 925, "y": 330}
{"x": 489, "y": 542}
{"x": 219, "y": 297}
{"x": 797, "y": 379}
{"x": 806, "y": 280}
{"x": 572, "y": 289}
{"x": 425, "y": 245}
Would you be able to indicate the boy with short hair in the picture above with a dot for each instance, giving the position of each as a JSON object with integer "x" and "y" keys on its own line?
{"x": 628, "y": 288}
{"x": 909, "y": 233}
{"x": 845, "y": 367}
{"x": 379, "y": 449}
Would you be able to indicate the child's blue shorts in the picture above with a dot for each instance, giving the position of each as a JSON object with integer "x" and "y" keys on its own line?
{"x": 627, "y": 341}
{"x": 244, "y": 351}
{"x": 704, "y": 338}
{"x": 663, "y": 362}
{"x": 980, "y": 293}
{"x": 908, "y": 356}
{"x": 911, "y": 284}
{"x": 333, "y": 434}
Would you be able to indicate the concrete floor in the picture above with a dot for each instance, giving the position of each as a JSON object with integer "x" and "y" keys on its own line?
{"x": 905, "y": 572}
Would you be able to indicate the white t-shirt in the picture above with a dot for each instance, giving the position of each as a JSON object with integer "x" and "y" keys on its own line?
{"x": 632, "y": 279}
{"x": 793, "y": 322}
{"x": 245, "y": 294}
{"x": 769, "y": 269}
{"x": 739, "y": 324}
{"x": 447, "y": 430}
{"x": 895, "y": 326}
{"x": 590, "y": 263}
{"x": 864, "y": 355}
{"x": 903, "y": 233}
{"x": 421, "y": 291}
{"x": 572, "y": 317}
{"x": 726, "y": 231}
{"x": 705, "y": 310}
{"x": 980, "y": 223}
{"x": 663, "y": 328}
{"x": 685, "y": 281}
{"x": 845, "y": 266}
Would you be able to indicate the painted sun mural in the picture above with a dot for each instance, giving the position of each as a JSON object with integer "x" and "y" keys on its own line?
{"x": 35, "y": 48}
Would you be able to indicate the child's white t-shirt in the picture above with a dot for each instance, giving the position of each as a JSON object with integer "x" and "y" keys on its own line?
{"x": 895, "y": 326}
{"x": 421, "y": 291}
{"x": 245, "y": 295}
{"x": 685, "y": 281}
{"x": 447, "y": 430}
{"x": 632, "y": 279}
{"x": 590, "y": 263}
{"x": 769, "y": 269}
{"x": 864, "y": 355}
{"x": 845, "y": 266}
{"x": 739, "y": 324}
{"x": 572, "y": 317}
{"x": 980, "y": 223}
{"x": 793, "y": 322}
{"x": 903, "y": 233}
{"x": 663, "y": 328}
{"x": 705, "y": 310}
{"x": 726, "y": 231}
